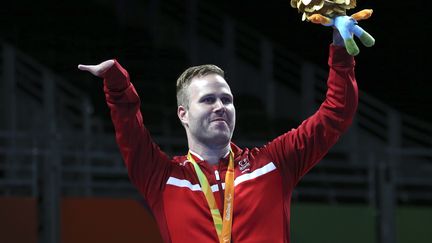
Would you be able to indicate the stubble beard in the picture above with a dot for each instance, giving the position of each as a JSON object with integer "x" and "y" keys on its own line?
{"x": 215, "y": 136}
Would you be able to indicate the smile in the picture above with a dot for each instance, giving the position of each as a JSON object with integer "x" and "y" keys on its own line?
{"x": 219, "y": 120}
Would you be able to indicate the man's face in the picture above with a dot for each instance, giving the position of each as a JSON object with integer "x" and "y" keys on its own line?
{"x": 210, "y": 118}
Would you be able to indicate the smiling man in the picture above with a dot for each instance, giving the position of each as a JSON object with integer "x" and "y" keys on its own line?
{"x": 218, "y": 192}
{"x": 206, "y": 110}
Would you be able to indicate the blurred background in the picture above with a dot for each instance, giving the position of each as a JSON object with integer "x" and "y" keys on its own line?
{"x": 62, "y": 178}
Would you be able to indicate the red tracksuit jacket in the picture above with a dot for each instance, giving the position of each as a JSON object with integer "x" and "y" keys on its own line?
{"x": 264, "y": 177}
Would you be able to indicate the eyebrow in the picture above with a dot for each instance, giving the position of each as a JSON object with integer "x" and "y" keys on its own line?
{"x": 212, "y": 94}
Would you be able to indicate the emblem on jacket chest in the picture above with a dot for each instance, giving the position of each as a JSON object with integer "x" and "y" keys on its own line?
{"x": 244, "y": 165}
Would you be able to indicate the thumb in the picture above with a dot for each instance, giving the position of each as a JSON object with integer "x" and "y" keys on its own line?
{"x": 93, "y": 69}
{"x": 83, "y": 67}
{"x": 99, "y": 69}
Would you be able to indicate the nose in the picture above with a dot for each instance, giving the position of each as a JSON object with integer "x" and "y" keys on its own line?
{"x": 219, "y": 106}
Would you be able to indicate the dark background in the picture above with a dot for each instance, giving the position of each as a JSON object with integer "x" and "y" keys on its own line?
{"x": 396, "y": 70}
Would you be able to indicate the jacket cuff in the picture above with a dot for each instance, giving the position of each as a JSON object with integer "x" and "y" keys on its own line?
{"x": 116, "y": 78}
{"x": 339, "y": 57}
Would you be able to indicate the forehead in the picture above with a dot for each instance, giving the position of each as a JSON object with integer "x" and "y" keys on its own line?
{"x": 208, "y": 84}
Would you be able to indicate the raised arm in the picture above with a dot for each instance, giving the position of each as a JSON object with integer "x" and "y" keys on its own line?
{"x": 147, "y": 165}
{"x": 298, "y": 150}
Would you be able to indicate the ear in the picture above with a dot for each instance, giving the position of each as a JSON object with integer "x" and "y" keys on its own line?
{"x": 182, "y": 114}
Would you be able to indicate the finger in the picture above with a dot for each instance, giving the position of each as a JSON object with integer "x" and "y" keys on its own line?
{"x": 84, "y": 67}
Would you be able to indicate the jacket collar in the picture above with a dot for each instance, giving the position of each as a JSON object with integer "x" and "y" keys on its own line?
{"x": 236, "y": 150}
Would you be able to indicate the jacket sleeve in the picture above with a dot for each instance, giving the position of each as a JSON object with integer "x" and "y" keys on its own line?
{"x": 298, "y": 150}
{"x": 148, "y": 167}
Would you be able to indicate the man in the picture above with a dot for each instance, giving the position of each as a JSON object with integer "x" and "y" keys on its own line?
{"x": 218, "y": 191}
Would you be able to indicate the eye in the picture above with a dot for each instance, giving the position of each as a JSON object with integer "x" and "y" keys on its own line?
{"x": 208, "y": 100}
{"x": 226, "y": 100}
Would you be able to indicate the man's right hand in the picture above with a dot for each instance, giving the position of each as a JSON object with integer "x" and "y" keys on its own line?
{"x": 99, "y": 69}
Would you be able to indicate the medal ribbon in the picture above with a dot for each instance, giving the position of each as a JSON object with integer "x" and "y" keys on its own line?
{"x": 222, "y": 224}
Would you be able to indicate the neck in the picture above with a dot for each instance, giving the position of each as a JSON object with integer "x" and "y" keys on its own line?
{"x": 211, "y": 155}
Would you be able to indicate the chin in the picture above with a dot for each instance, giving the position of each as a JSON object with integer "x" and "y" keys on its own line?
{"x": 221, "y": 138}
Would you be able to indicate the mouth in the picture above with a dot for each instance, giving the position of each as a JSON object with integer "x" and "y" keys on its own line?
{"x": 219, "y": 120}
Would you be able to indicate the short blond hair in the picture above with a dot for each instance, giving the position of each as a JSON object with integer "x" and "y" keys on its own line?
{"x": 186, "y": 77}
